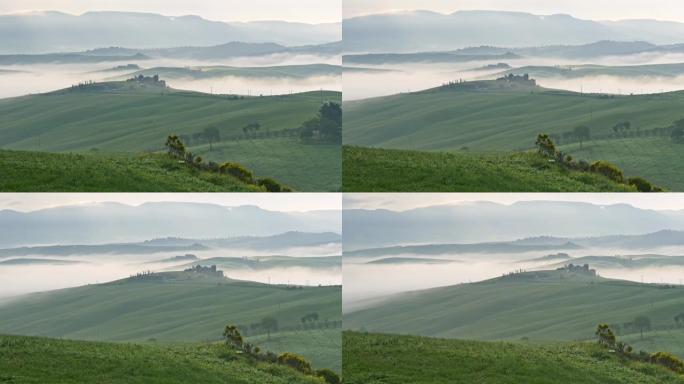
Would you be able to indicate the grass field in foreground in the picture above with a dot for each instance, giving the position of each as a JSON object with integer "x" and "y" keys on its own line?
{"x": 384, "y": 170}
{"x": 391, "y": 359}
{"x": 57, "y": 172}
{"x": 655, "y": 159}
{"x": 301, "y": 166}
{"x": 34, "y": 360}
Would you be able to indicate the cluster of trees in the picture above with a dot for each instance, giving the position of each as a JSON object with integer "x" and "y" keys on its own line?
{"x": 209, "y": 270}
{"x": 580, "y": 133}
{"x": 209, "y": 135}
{"x": 144, "y": 275}
{"x": 606, "y": 339}
{"x": 547, "y": 148}
{"x": 326, "y": 127}
{"x": 176, "y": 149}
{"x": 640, "y": 324}
{"x": 621, "y": 129}
{"x": 236, "y": 342}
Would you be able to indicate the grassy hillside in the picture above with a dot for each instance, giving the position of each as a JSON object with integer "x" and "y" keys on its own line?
{"x": 89, "y": 172}
{"x": 167, "y": 307}
{"x": 482, "y": 116}
{"x": 383, "y": 170}
{"x": 391, "y": 359}
{"x": 132, "y": 118}
{"x": 29, "y": 360}
{"x": 653, "y": 158}
{"x": 544, "y": 305}
{"x": 304, "y": 167}
{"x": 487, "y": 116}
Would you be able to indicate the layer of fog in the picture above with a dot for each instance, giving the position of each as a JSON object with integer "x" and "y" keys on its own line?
{"x": 404, "y": 78}
{"x": 366, "y": 284}
{"x": 94, "y": 269}
{"x": 40, "y": 78}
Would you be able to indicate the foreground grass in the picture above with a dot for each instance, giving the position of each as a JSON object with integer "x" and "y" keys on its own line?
{"x": 42, "y": 360}
{"x": 301, "y": 166}
{"x": 52, "y": 172}
{"x": 383, "y": 170}
{"x": 390, "y": 359}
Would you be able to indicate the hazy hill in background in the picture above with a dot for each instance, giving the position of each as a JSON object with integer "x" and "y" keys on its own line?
{"x": 487, "y": 222}
{"x": 40, "y": 32}
{"x": 425, "y": 30}
{"x": 114, "y": 222}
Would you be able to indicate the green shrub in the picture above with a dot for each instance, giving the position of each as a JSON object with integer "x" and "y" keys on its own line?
{"x": 668, "y": 360}
{"x": 641, "y": 184}
{"x": 329, "y": 376}
{"x": 238, "y": 171}
{"x": 608, "y": 170}
{"x": 270, "y": 184}
{"x": 295, "y": 361}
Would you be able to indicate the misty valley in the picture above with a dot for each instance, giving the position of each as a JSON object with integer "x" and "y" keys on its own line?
{"x": 261, "y": 298}
{"x": 609, "y": 99}
{"x": 532, "y": 294}
{"x": 265, "y": 106}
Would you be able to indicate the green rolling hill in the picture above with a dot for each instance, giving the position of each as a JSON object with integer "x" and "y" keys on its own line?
{"x": 493, "y": 116}
{"x": 168, "y": 307}
{"x": 393, "y": 170}
{"x": 539, "y": 306}
{"x": 133, "y": 118}
{"x": 29, "y": 360}
{"x": 393, "y": 359}
{"x": 25, "y": 171}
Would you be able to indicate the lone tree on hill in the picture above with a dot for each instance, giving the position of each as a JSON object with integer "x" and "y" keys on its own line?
{"x": 605, "y": 335}
{"x": 175, "y": 146}
{"x": 269, "y": 324}
{"x": 545, "y": 145}
{"x": 233, "y": 336}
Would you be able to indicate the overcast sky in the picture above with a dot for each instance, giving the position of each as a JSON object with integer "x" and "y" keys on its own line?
{"x": 285, "y": 202}
{"x": 585, "y": 9}
{"x": 405, "y": 201}
{"x": 308, "y": 11}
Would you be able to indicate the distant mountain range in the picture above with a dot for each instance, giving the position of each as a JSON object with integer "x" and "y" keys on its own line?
{"x": 490, "y": 222}
{"x": 114, "y": 222}
{"x": 135, "y": 55}
{"x": 425, "y": 30}
{"x": 41, "y": 32}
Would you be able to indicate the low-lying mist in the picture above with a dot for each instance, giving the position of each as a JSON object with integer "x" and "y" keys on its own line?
{"x": 366, "y": 284}
{"x": 415, "y": 77}
{"x": 20, "y": 80}
{"x": 101, "y": 268}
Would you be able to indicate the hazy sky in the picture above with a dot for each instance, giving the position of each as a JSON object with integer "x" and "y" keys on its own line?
{"x": 308, "y": 11}
{"x": 585, "y": 9}
{"x": 404, "y": 201}
{"x": 271, "y": 201}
